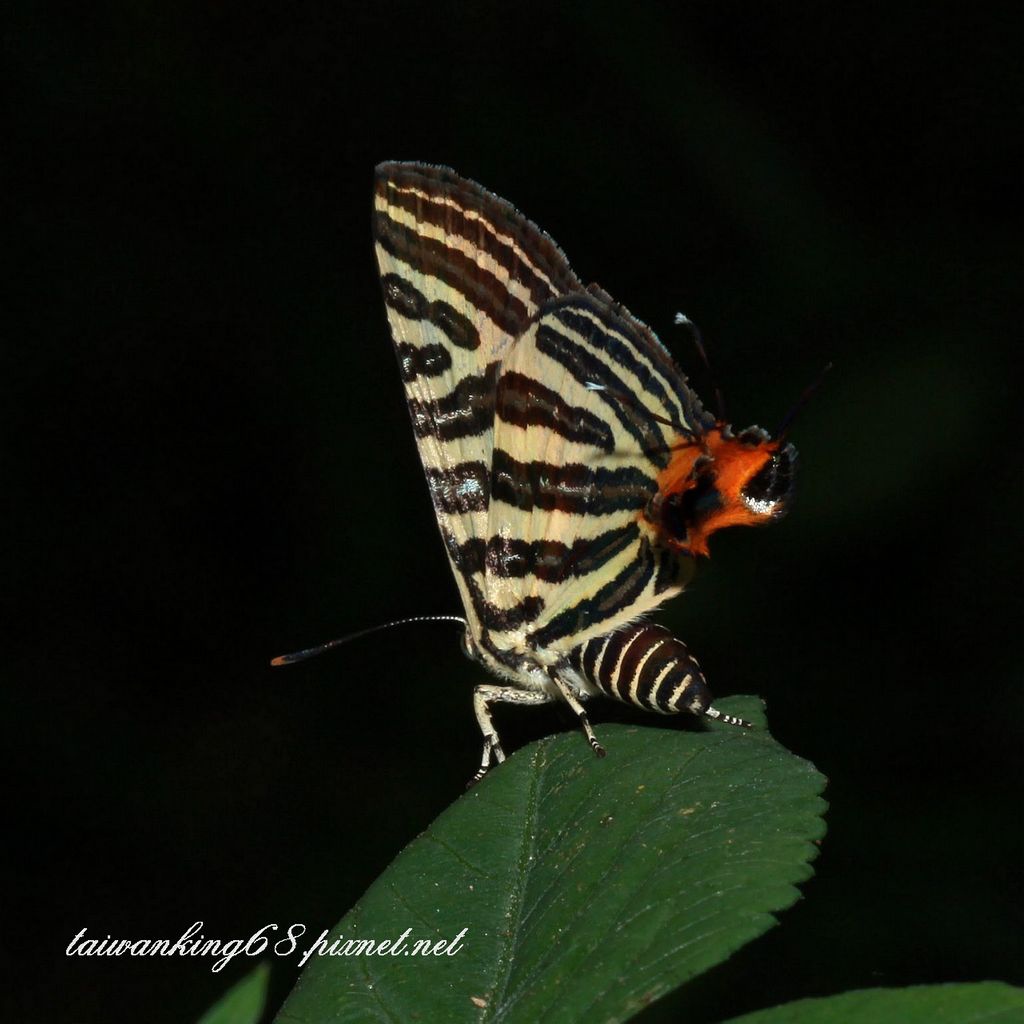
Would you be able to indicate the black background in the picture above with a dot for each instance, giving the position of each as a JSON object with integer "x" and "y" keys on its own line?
{"x": 207, "y": 459}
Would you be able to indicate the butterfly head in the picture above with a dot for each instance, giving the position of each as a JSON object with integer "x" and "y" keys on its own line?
{"x": 721, "y": 479}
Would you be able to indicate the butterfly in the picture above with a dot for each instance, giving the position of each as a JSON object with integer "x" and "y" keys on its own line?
{"x": 574, "y": 474}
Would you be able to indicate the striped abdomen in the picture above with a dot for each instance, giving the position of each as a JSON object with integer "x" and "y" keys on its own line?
{"x": 644, "y": 665}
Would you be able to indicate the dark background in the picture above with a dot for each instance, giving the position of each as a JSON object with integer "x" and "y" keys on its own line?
{"x": 207, "y": 459}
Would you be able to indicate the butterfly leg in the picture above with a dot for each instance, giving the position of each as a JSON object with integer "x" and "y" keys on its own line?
{"x": 570, "y": 698}
{"x": 483, "y": 697}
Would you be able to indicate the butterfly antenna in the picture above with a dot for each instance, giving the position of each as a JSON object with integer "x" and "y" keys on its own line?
{"x": 311, "y": 652}
{"x": 682, "y": 320}
{"x": 787, "y": 420}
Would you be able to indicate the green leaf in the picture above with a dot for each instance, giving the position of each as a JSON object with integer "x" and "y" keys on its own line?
{"x": 990, "y": 1002}
{"x": 243, "y": 1003}
{"x": 589, "y": 887}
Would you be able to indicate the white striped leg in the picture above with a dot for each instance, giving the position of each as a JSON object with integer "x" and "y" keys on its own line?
{"x": 572, "y": 700}
{"x": 483, "y": 697}
{"x": 721, "y": 716}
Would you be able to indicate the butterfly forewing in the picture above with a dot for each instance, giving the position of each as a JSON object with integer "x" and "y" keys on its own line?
{"x": 516, "y": 376}
{"x": 462, "y": 274}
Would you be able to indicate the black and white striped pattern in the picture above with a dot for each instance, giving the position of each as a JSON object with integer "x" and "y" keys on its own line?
{"x": 646, "y": 666}
{"x": 539, "y": 470}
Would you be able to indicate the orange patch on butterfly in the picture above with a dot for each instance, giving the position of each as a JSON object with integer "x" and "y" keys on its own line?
{"x": 722, "y": 466}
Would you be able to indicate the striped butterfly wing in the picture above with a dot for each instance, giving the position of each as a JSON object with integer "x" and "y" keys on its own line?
{"x": 547, "y": 418}
{"x": 589, "y": 404}
{"x": 463, "y": 274}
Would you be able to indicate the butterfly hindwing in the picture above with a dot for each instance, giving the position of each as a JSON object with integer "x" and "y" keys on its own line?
{"x": 588, "y": 403}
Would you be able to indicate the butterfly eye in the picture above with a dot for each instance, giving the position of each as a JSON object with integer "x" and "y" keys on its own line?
{"x": 767, "y": 491}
